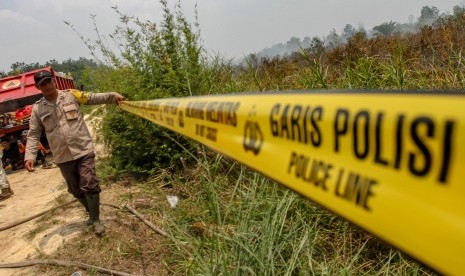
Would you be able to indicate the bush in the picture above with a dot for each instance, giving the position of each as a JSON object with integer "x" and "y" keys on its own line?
{"x": 151, "y": 62}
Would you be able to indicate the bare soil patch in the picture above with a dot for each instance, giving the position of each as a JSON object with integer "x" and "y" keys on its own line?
{"x": 35, "y": 192}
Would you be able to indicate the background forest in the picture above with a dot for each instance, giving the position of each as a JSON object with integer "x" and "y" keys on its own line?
{"x": 260, "y": 228}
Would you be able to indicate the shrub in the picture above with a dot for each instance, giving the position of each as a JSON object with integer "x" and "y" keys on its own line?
{"x": 150, "y": 61}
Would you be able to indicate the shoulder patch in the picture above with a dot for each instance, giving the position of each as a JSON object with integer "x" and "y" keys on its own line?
{"x": 81, "y": 97}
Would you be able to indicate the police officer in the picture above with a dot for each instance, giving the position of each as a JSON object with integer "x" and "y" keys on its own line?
{"x": 70, "y": 141}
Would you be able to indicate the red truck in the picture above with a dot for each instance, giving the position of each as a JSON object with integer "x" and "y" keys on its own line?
{"x": 18, "y": 93}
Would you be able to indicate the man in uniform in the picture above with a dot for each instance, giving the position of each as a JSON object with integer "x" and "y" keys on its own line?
{"x": 70, "y": 141}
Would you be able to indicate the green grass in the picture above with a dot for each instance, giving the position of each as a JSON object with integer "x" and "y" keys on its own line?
{"x": 240, "y": 223}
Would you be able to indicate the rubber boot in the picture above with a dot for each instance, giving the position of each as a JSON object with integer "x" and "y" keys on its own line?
{"x": 93, "y": 200}
{"x": 83, "y": 201}
{"x": 6, "y": 193}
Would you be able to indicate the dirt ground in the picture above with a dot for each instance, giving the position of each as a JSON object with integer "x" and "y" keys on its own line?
{"x": 35, "y": 192}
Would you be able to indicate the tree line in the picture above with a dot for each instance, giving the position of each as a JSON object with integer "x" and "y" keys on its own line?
{"x": 429, "y": 15}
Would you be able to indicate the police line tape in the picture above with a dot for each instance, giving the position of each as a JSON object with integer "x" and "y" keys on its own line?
{"x": 391, "y": 163}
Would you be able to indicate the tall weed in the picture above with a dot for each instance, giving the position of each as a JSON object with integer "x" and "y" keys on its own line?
{"x": 144, "y": 60}
{"x": 249, "y": 225}
{"x": 363, "y": 73}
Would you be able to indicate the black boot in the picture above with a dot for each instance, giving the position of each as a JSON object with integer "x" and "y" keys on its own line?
{"x": 83, "y": 201}
{"x": 6, "y": 193}
{"x": 93, "y": 201}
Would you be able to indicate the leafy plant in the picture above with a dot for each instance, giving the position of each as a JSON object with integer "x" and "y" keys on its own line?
{"x": 149, "y": 61}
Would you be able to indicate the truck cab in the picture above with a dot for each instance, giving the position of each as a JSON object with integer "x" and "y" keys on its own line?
{"x": 17, "y": 94}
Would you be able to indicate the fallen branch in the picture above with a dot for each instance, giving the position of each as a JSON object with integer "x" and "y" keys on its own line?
{"x": 149, "y": 224}
{"x": 64, "y": 263}
{"x": 16, "y": 223}
{"x": 34, "y": 216}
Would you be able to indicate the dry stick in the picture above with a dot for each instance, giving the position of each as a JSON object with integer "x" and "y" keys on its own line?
{"x": 112, "y": 205}
{"x": 44, "y": 212}
{"x": 64, "y": 263}
{"x": 159, "y": 231}
{"x": 33, "y": 217}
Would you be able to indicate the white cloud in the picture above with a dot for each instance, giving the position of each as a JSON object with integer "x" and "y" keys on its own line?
{"x": 8, "y": 17}
{"x": 19, "y": 30}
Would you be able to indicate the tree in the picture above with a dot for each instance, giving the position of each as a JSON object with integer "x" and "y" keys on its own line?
{"x": 317, "y": 45}
{"x": 459, "y": 10}
{"x": 386, "y": 29}
{"x": 21, "y": 67}
{"x": 293, "y": 44}
{"x": 306, "y": 42}
{"x": 333, "y": 40}
{"x": 428, "y": 16}
{"x": 348, "y": 32}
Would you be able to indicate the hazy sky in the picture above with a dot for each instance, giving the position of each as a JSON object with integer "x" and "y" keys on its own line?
{"x": 33, "y": 30}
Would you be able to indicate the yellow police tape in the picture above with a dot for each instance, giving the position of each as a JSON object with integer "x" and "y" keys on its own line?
{"x": 391, "y": 163}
